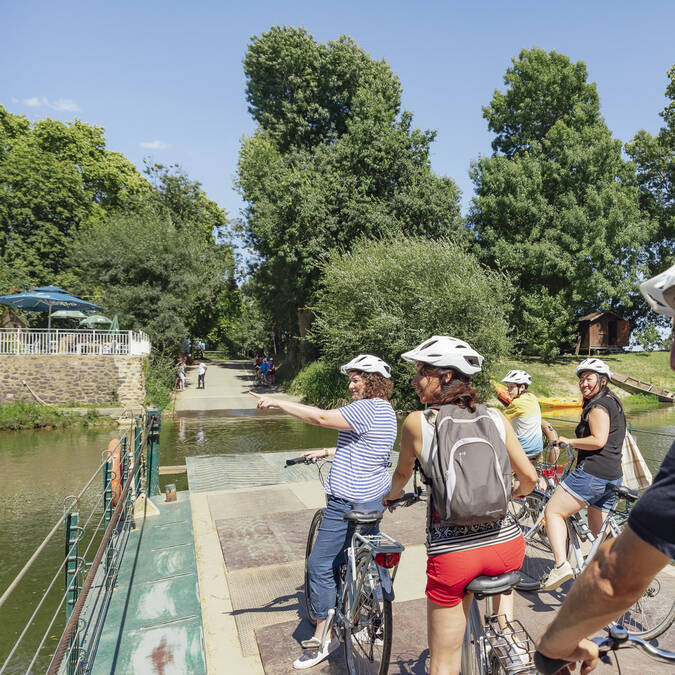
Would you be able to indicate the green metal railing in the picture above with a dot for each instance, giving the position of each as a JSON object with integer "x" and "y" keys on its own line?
{"x": 86, "y": 579}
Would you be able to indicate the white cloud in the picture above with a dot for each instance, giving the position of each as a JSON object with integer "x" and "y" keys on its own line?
{"x": 61, "y": 104}
{"x": 64, "y": 104}
{"x": 154, "y": 145}
{"x": 14, "y": 99}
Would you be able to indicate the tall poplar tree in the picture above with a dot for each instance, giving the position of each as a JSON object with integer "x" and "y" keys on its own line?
{"x": 556, "y": 205}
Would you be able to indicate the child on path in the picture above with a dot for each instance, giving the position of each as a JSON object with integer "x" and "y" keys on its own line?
{"x": 201, "y": 372}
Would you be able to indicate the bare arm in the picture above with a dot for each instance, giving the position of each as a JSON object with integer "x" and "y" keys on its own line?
{"x": 598, "y": 422}
{"x": 552, "y": 438}
{"x": 411, "y": 445}
{"x": 521, "y": 465}
{"x": 615, "y": 578}
{"x": 330, "y": 419}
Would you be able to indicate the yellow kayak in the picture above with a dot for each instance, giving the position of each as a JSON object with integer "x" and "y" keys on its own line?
{"x": 548, "y": 402}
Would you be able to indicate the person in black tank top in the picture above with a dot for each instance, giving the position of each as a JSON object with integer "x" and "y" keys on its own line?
{"x": 599, "y": 441}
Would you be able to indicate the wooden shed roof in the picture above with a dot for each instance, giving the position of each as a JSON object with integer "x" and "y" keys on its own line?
{"x": 596, "y": 315}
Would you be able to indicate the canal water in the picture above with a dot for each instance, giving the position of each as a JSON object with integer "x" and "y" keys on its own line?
{"x": 39, "y": 468}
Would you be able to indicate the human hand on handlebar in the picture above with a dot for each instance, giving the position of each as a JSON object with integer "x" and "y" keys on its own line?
{"x": 563, "y": 441}
{"x": 391, "y": 498}
{"x": 321, "y": 453}
{"x": 585, "y": 652}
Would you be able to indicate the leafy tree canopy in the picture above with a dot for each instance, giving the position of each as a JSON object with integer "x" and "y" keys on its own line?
{"x": 53, "y": 178}
{"x": 332, "y": 160}
{"x": 157, "y": 276}
{"x": 655, "y": 159}
{"x": 384, "y": 297}
{"x": 556, "y": 204}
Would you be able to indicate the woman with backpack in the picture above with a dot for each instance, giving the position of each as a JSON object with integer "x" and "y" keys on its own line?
{"x": 492, "y": 543}
{"x": 599, "y": 440}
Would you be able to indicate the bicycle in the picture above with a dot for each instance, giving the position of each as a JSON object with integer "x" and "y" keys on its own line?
{"x": 649, "y": 617}
{"x": 618, "y": 638}
{"x": 362, "y": 618}
{"x": 491, "y": 649}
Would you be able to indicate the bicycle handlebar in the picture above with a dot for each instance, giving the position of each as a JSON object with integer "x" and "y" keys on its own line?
{"x": 408, "y": 499}
{"x": 300, "y": 460}
{"x": 618, "y": 638}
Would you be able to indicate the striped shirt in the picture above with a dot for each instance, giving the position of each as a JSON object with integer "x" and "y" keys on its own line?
{"x": 359, "y": 472}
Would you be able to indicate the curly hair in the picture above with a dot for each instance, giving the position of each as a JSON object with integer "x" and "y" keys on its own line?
{"x": 377, "y": 386}
{"x": 456, "y": 392}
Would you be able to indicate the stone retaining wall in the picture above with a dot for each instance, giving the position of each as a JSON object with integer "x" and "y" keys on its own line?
{"x": 65, "y": 378}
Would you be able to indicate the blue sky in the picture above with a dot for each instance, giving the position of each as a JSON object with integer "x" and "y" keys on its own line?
{"x": 165, "y": 78}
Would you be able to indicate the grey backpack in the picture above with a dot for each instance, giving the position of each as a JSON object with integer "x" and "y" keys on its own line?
{"x": 470, "y": 468}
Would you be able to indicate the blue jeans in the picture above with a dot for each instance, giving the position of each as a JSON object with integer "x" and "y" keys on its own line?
{"x": 596, "y": 492}
{"x": 334, "y": 536}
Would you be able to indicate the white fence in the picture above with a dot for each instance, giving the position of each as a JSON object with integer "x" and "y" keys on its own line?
{"x": 55, "y": 341}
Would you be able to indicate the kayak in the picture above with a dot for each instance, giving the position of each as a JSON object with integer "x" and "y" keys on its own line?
{"x": 549, "y": 402}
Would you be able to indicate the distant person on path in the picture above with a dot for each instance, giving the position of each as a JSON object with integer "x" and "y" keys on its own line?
{"x": 271, "y": 373}
{"x": 599, "y": 440}
{"x": 456, "y": 554}
{"x": 201, "y": 372}
{"x": 358, "y": 479}
{"x": 623, "y": 567}
{"x": 264, "y": 369}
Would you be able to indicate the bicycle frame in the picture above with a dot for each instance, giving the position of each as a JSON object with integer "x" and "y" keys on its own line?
{"x": 573, "y": 522}
{"x": 365, "y": 548}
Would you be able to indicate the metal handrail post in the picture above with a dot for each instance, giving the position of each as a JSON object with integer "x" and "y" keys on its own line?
{"x": 107, "y": 504}
{"x": 138, "y": 442}
{"x": 72, "y": 571}
{"x": 155, "y": 415}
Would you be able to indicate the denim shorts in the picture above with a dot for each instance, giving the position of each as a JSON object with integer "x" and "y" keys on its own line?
{"x": 596, "y": 492}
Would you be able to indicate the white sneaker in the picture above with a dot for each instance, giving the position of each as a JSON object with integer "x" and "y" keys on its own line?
{"x": 310, "y": 657}
{"x": 557, "y": 576}
{"x": 363, "y": 636}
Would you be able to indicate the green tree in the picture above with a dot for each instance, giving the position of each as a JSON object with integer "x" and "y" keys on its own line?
{"x": 556, "y": 205}
{"x": 185, "y": 202}
{"x": 157, "y": 276}
{"x": 655, "y": 159}
{"x": 54, "y": 177}
{"x": 333, "y": 159}
{"x": 386, "y": 296}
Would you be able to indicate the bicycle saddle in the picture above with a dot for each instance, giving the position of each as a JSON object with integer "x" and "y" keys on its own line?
{"x": 486, "y": 585}
{"x": 364, "y": 517}
{"x": 626, "y": 493}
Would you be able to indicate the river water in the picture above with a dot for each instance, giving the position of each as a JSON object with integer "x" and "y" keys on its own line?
{"x": 39, "y": 468}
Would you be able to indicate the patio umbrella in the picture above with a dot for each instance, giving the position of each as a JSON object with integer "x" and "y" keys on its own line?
{"x": 95, "y": 320}
{"x": 68, "y": 314}
{"x": 115, "y": 325}
{"x": 37, "y": 300}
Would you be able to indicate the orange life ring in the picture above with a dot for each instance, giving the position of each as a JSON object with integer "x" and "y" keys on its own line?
{"x": 115, "y": 448}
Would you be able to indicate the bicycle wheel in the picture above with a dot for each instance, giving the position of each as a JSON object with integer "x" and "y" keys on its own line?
{"x": 311, "y": 538}
{"x": 652, "y": 614}
{"x": 538, "y": 559}
{"x": 368, "y": 648}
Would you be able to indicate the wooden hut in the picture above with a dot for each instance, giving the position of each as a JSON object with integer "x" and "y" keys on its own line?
{"x": 602, "y": 332}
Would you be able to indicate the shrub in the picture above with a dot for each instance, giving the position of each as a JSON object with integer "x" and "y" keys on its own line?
{"x": 160, "y": 379}
{"x": 384, "y": 297}
{"x": 321, "y": 383}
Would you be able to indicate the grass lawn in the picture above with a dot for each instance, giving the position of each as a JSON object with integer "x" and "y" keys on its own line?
{"x": 557, "y": 378}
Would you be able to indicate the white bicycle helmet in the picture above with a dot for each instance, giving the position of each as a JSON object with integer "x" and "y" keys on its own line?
{"x": 518, "y": 377}
{"x": 659, "y": 292}
{"x": 447, "y": 352}
{"x": 596, "y": 365}
{"x": 368, "y": 364}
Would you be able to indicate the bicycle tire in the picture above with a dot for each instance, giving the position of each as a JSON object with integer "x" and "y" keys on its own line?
{"x": 652, "y": 615}
{"x": 311, "y": 538}
{"x": 538, "y": 559}
{"x": 364, "y": 654}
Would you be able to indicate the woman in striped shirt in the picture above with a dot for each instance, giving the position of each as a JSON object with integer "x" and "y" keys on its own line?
{"x": 456, "y": 553}
{"x": 358, "y": 478}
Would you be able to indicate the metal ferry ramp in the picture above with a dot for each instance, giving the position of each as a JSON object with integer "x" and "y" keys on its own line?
{"x": 251, "y": 517}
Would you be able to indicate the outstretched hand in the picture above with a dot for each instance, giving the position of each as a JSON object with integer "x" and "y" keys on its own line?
{"x": 264, "y": 402}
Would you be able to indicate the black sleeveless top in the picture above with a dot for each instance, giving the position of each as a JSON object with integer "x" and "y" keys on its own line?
{"x": 604, "y": 463}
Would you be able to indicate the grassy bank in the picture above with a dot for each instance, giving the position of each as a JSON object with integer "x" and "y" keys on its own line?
{"x": 321, "y": 385}
{"x": 26, "y": 415}
{"x": 160, "y": 380}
